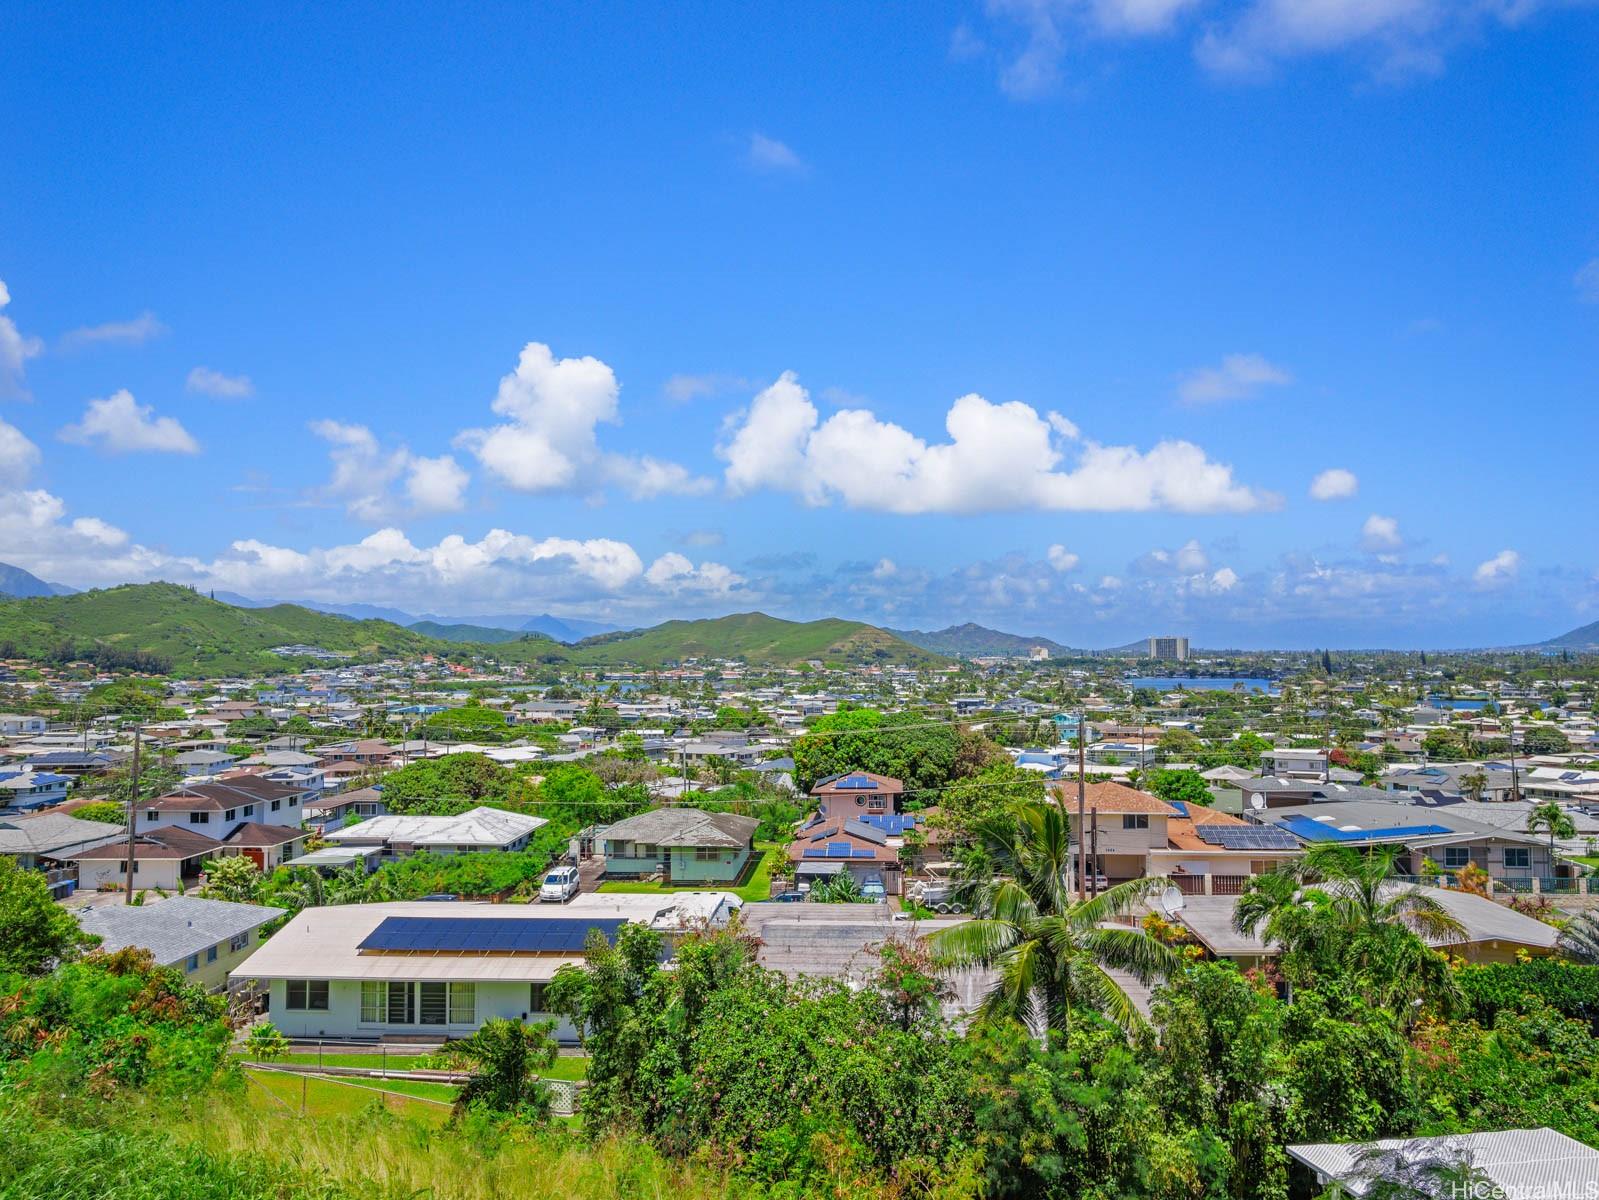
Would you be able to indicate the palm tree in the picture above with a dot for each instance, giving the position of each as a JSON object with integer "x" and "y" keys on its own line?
{"x": 1050, "y": 950}
{"x": 1579, "y": 940}
{"x": 1551, "y": 817}
{"x": 1341, "y": 909}
{"x": 508, "y": 1057}
{"x": 1474, "y": 784}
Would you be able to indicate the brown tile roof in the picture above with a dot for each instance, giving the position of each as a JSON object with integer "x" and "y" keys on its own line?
{"x": 1114, "y": 798}
{"x": 255, "y": 834}
{"x": 828, "y": 787}
{"x": 158, "y": 844}
{"x": 1182, "y": 832}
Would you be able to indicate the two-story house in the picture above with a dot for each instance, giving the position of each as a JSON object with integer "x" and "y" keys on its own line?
{"x": 857, "y": 793}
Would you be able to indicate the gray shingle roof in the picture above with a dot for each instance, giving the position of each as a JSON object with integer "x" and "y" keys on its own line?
{"x": 175, "y": 928}
{"x": 684, "y": 827}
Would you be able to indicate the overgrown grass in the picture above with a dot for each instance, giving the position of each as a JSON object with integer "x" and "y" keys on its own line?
{"x": 222, "y": 1149}
{"x": 759, "y": 886}
{"x": 567, "y": 1066}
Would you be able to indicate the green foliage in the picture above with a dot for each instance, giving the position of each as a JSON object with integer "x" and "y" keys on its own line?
{"x": 248, "y": 727}
{"x": 1570, "y": 989}
{"x": 111, "y": 1021}
{"x": 459, "y": 874}
{"x": 471, "y": 722}
{"x": 108, "y": 811}
{"x": 754, "y": 637}
{"x": 1179, "y": 787}
{"x": 448, "y": 785}
{"x": 1544, "y": 739}
{"x": 903, "y": 746}
{"x": 507, "y": 1058}
{"x": 234, "y": 878}
{"x": 265, "y": 1042}
{"x": 35, "y": 931}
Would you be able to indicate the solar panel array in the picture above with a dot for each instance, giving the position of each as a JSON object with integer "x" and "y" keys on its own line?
{"x": 487, "y": 935}
{"x": 1247, "y": 837}
{"x": 837, "y": 850}
{"x": 1312, "y": 830}
{"x": 892, "y": 824}
{"x": 856, "y": 783}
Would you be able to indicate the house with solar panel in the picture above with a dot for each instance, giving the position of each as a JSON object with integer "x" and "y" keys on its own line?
{"x": 1438, "y": 835}
{"x": 682, "y": 846}
{"x": 857, "y": 794}
{"x": 419, "y": 968}
{"x": 867, "y": 847}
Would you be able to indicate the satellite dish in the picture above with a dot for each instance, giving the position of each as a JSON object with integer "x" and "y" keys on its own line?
{"x": 1172, "y": 901}
{"x": 1257, "y": 802}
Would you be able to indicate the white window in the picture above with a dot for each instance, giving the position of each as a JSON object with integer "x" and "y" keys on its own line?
{"x": 535, "y": 1000}
{"x": 434, "y": 1003}
{"x": 1135, "y": 821}
{"x": 463, "y": 1004}
{"x": 1456, "y": 857}
{"x": 1518, "y": 858}
{"x": 239, "y": 941}
{"x": 374, "y": 1001}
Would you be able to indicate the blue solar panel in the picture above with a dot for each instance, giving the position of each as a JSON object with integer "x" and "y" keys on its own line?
{"x": 1180, "y": 806}
{"x": 1311, "y": 830}
{"x": 857, "y": 783}
{"x": 893, "y": 824}
{"x": 487, "y": 935}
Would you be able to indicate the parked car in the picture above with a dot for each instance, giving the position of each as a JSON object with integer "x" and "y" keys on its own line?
{"x": 559, "y": 885}
{"x": 872, "y": 889}
{"x": 789, "y": 897}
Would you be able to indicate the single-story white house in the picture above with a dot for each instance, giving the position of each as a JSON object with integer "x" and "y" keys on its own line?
{"x": 477, "y": 829}
{"x": 417, "y": 968}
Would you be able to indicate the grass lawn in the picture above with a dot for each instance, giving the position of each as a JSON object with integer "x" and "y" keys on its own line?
{"x": 324, "y": 1098}
{"x": 568, "y": 1066}
{"x": 1587, "y": 860}
{"x": 376, "y": 1061}
{"x": 758, "y": 888}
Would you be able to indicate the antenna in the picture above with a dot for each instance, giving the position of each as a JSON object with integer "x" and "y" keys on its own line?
{"x": 1257, "y": 801}
{"x": 1172, "y": 901}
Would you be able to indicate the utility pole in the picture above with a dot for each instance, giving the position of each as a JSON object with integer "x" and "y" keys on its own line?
{"x": 133, "y": 804}
{"x": 1515, "y": 778}
{"x": 1094, "y": 858}
{"x": 1082, "y": 805}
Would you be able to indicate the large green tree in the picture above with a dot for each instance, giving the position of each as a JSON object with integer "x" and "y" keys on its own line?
{"x": 35, "y": 931}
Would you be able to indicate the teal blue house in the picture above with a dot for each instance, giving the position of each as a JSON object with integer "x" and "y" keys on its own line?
{"x": 684, "y": 845}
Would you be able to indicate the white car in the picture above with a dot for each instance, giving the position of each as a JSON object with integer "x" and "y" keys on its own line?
{"x": 559, "y": 885}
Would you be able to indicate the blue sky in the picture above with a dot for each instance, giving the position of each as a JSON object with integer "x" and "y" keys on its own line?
{"x": 1049, "y": 314}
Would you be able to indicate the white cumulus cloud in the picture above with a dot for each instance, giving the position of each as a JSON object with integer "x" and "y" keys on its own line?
{"x": 1335, "y": 483}
{"x": 1061, "y": 558}
{"x": 1380, "y": 534}
{"x": 549, "y": 441}
{"x": 999, "y": 457}
{"x": 1501, "y": 569}
{"x": 15, "y": 348}
{"x": 18, "y": 455}
{"x": 119, "y": 424}
{"x": 378, "y": 484}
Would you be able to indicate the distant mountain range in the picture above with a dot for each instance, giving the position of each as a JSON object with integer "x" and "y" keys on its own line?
{"x": 16, "y": 582}
{"x": 562, "y": 629}
{"x": 978, "y": 641}
{"x": 192, "y": 634}
{"x": 1584, "y": 637}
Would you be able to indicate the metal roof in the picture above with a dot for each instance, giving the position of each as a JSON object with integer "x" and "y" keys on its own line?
{"x": 1521, "y": 1164}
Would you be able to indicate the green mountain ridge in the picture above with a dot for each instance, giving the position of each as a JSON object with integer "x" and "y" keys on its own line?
{"x": 1584, "y": 637}
{"x": 168, "y": 628}
{"x": 756, "y": 638}
{"x": 483, "y": 635}
{"x": 971, "y": 640}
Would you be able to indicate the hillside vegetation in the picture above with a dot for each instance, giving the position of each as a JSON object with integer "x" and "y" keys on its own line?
{"x": 754, "y": 637}
{"x": 971, "y": 641}
{"x": 164, "y": 627}
{"x": 187, "y": 632}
